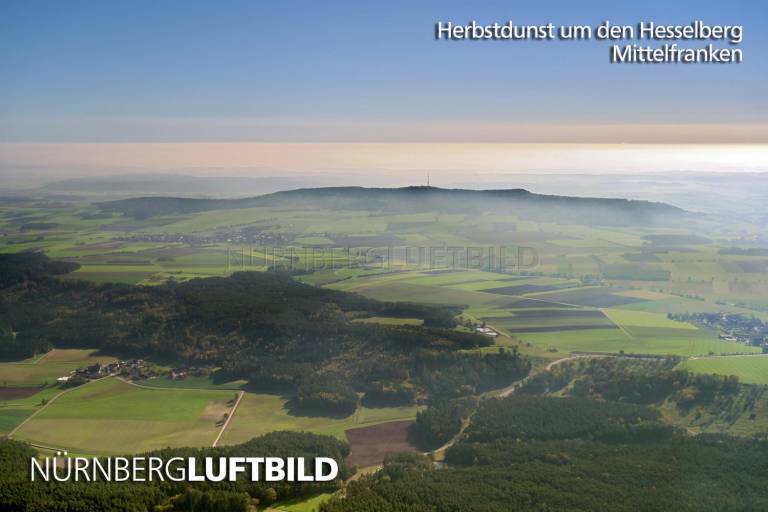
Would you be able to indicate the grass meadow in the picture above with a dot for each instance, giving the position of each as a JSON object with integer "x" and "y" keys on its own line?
{"x": 260, "y": 413}
{"x": 48, "y": 367}
{"x": 110, "y": 416}
{"x": 749, "y": 369}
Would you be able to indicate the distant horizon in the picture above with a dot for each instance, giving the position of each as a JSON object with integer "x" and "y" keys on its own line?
{"x": 364, "y": 162}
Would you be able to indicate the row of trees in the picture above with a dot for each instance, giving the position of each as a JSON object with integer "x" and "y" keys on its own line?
{"x": 17, "y": 492}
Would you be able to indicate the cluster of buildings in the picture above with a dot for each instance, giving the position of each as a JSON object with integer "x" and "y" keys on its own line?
{"x": 179, "y": 373}
{"x": 98, "y": 370}
{"x": 245, "y": 236}
{"x": 757, "y": 340}
{"x": 749, "y": 330}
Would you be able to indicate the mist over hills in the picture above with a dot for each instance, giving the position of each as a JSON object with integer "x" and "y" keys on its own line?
{"x": 182, "y": 185}
{"x": 736, "y": 195}
{"x": 419, "y": 199}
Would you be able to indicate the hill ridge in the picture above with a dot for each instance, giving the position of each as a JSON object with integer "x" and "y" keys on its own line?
{"x": 519, "y": 201}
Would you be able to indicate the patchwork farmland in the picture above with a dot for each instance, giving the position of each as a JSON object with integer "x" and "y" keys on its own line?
{"x": 593, "y": 289}
{"x": 559, "y": 315}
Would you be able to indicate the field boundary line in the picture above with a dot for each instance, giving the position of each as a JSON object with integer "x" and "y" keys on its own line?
{"x": 45, "y": 447}
{"x": 726, "y": 356}
{"x": 580, "y": 306}
{"x": 43, "y": 356}
{"x": 614, "y": 322}
{"x": 9, "y": 434}
{"x": 142, "y": 386}
{"x": 240, "y": 395}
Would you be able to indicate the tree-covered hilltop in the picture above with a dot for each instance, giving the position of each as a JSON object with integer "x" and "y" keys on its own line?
{"x": 525, "y": 204}
{"x": 702, "y": 402}
{"x": 18, "y": 493}
{"x": 570, "y": 454}
{"x": 529, "y": 417}
{"x": 279, "y": 334}
{"x": 16, "y": 267}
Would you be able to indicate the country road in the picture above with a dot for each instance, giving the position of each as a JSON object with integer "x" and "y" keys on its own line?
{"x": 504, "y": 393}
{"x": 229, "y": 418}
{"x": 511, "y": 389}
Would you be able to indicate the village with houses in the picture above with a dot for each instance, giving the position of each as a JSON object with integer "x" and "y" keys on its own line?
{"x": 98, "y": 370}
{"x": 748, "y": 330}
{"x": 134, "y": 369}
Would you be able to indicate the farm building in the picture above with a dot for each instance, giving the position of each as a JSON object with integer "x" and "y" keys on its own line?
{"x": 487, "y": 331}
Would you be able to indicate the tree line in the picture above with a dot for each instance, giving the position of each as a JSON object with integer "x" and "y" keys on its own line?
{"x": 18, "y": 493}
{"x": 281, "y": 335}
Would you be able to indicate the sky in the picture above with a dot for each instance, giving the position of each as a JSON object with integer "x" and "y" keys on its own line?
{"x": 147, "y": 72}
{"x": 339, "y": 71}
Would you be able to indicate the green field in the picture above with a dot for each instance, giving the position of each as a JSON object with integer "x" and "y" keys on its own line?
{"x": 48, "y": 367}
{"x": 118, "y": 248}
{"x": 749, "y": 369}
{"x": 191, "y": 383}
{"x": 13, "y": 412}
{"x": 259, "y": 414}
{"x": 39, "y": 372}
{"x": 623, "y": 281}
{"x": 631, "y": 325}
{"x": 652, "y": 341}
{"x": 12, "y": 416}
{"x": 307, "y": 505}
{"x": 110, "y": 416}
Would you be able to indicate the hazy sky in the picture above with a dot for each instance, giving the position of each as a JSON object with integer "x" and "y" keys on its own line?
{"x": 345, "y": 71}
{"x": 392, "y": 162}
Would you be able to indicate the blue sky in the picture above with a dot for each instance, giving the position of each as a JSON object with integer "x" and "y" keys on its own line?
{"x": 173, "y": 71}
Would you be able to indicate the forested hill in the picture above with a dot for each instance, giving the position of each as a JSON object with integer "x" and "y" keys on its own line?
{"x": 565, "y": 455}
{"x": 519, "y": 202}
{"x": 279, "y": 334}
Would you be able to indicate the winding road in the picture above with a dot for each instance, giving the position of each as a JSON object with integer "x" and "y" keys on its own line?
{"x": 504, "y": 393}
